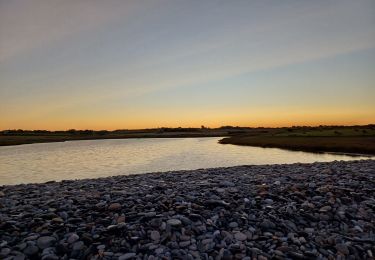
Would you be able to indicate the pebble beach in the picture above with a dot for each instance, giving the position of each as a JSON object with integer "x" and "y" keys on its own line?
{"x": 286, "y": 211}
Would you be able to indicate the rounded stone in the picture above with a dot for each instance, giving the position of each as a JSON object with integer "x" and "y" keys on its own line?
{"x": 127, "y": 256}
{"x": 342, "y": 248}
{"x": 31, "y": 250}
{"x": 46, "y": 241}
{"x": 115, "y": 206}
{"x": 72, "y": 238}
{"x": 325, "y": 209}
{"x": 240, "y": 236}
{"x": 155, "y": 235}
{"x": 174, "y": 222}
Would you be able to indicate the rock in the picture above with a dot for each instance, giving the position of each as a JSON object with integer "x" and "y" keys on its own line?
{"x": 4, "y": 252}
{"x": 174, "y": 222}
{"x": 325, "y": 209}
{"x": 100, "y": 247}
{"x": 46, "y": 241}
{"x": 31, "y": 250}
{"x": 267, "y": 225}
{"x": 240, "y": 236}
{"x": 78, "y": 245}
{"x": 184, "y": 243}
{"x": 233, "y": 224}
{"x": 72, "y": 238}
{"x": 58, "y": 220}
{"x": 115, "y": 206}
{"x": 342, "y": 248}
{"x": 127, "y": 256}
{"x": 227, "y": 183}
{"x": 19, "y": 256}
{"x": 121, "y": 219}
{"x": 50, "y": 257}
{"x": 268, "y": 201}
{"x": 155, "y": 235}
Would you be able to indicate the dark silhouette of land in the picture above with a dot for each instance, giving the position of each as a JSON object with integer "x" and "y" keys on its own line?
{"x": 16, "y": 137}
{"x": 339, "y": 139}
{"x": 342, "y": 139}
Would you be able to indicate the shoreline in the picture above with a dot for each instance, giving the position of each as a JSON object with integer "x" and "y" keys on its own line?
{"x": 226, "y": 139}
{"x": 322, "y": 209}
{"x": 57, "y": 139}
{"x": 344, "y": 145}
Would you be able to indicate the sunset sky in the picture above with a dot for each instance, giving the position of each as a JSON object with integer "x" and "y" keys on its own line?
{"x": 90, "y": 64}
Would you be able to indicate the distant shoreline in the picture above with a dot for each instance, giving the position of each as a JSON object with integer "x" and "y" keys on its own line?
{"x": 20, "y": 140}
{"x": 350, "y": 140}
{"x": 342, "y": 145}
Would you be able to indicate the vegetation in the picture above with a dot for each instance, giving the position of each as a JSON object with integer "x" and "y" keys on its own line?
{"x": 16, "y": 137}
{"x": 353, "y": 139}
{"x": 344, "y": 139}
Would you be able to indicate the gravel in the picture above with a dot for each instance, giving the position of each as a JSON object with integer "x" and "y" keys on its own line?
{"x": 295, "y": 211}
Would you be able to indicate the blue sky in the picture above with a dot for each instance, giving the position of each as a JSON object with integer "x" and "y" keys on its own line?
{"x": 135, "y": 64}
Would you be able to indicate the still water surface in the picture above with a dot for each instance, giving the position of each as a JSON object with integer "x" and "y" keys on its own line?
{"x": 99, "y": 158}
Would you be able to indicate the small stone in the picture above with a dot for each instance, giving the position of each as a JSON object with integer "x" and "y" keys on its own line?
{"x": 50, "y": 257}
{"x": 155, "y": 235}
{"x": 233, "y": 224}
{"x": 268, "y": 201}
{"x": 184, "y": 243}
{"x": 4, "y": 252}
{"x": 240, "y": 236}
{"x": 57, "y": 220}
{"x": 325, "y": 209}
{"x": 44, "y": 242}
{"x": 227, "y": 183}
{"x": 126, "y": 256}
{"x": 100, "y": 247}
{"x": 174, "y": 222}
{"x": 19, "y": 256}
{"x": 72, "y": 238}
{"x": 121, "y": 219}
{"x": 342, "y": 248}
{"x": 78, "y": 245}
{"x": 115, "y": 206}
{"x": 31, "y": 250}
{"x": 266, "y": 225}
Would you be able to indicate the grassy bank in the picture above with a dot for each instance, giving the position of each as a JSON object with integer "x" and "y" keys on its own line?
{"x": 17, "y": 137}
{"x": 343, "y": 140}
{"x": 29, "y": 139}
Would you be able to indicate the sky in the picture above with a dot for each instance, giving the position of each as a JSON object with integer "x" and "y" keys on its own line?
{"x": 117, "y": 64}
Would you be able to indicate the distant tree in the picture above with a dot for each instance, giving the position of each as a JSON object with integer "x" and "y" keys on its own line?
{"x": 102, "y": 132}
{"x": 87, "y": 132}
{"x": 71, "y": 131}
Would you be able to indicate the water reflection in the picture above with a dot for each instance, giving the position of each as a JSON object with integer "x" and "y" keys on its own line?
{"x": 100, "y": 158}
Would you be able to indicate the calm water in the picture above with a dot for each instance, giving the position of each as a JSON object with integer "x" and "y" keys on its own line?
{"x": 99, "y": 158}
